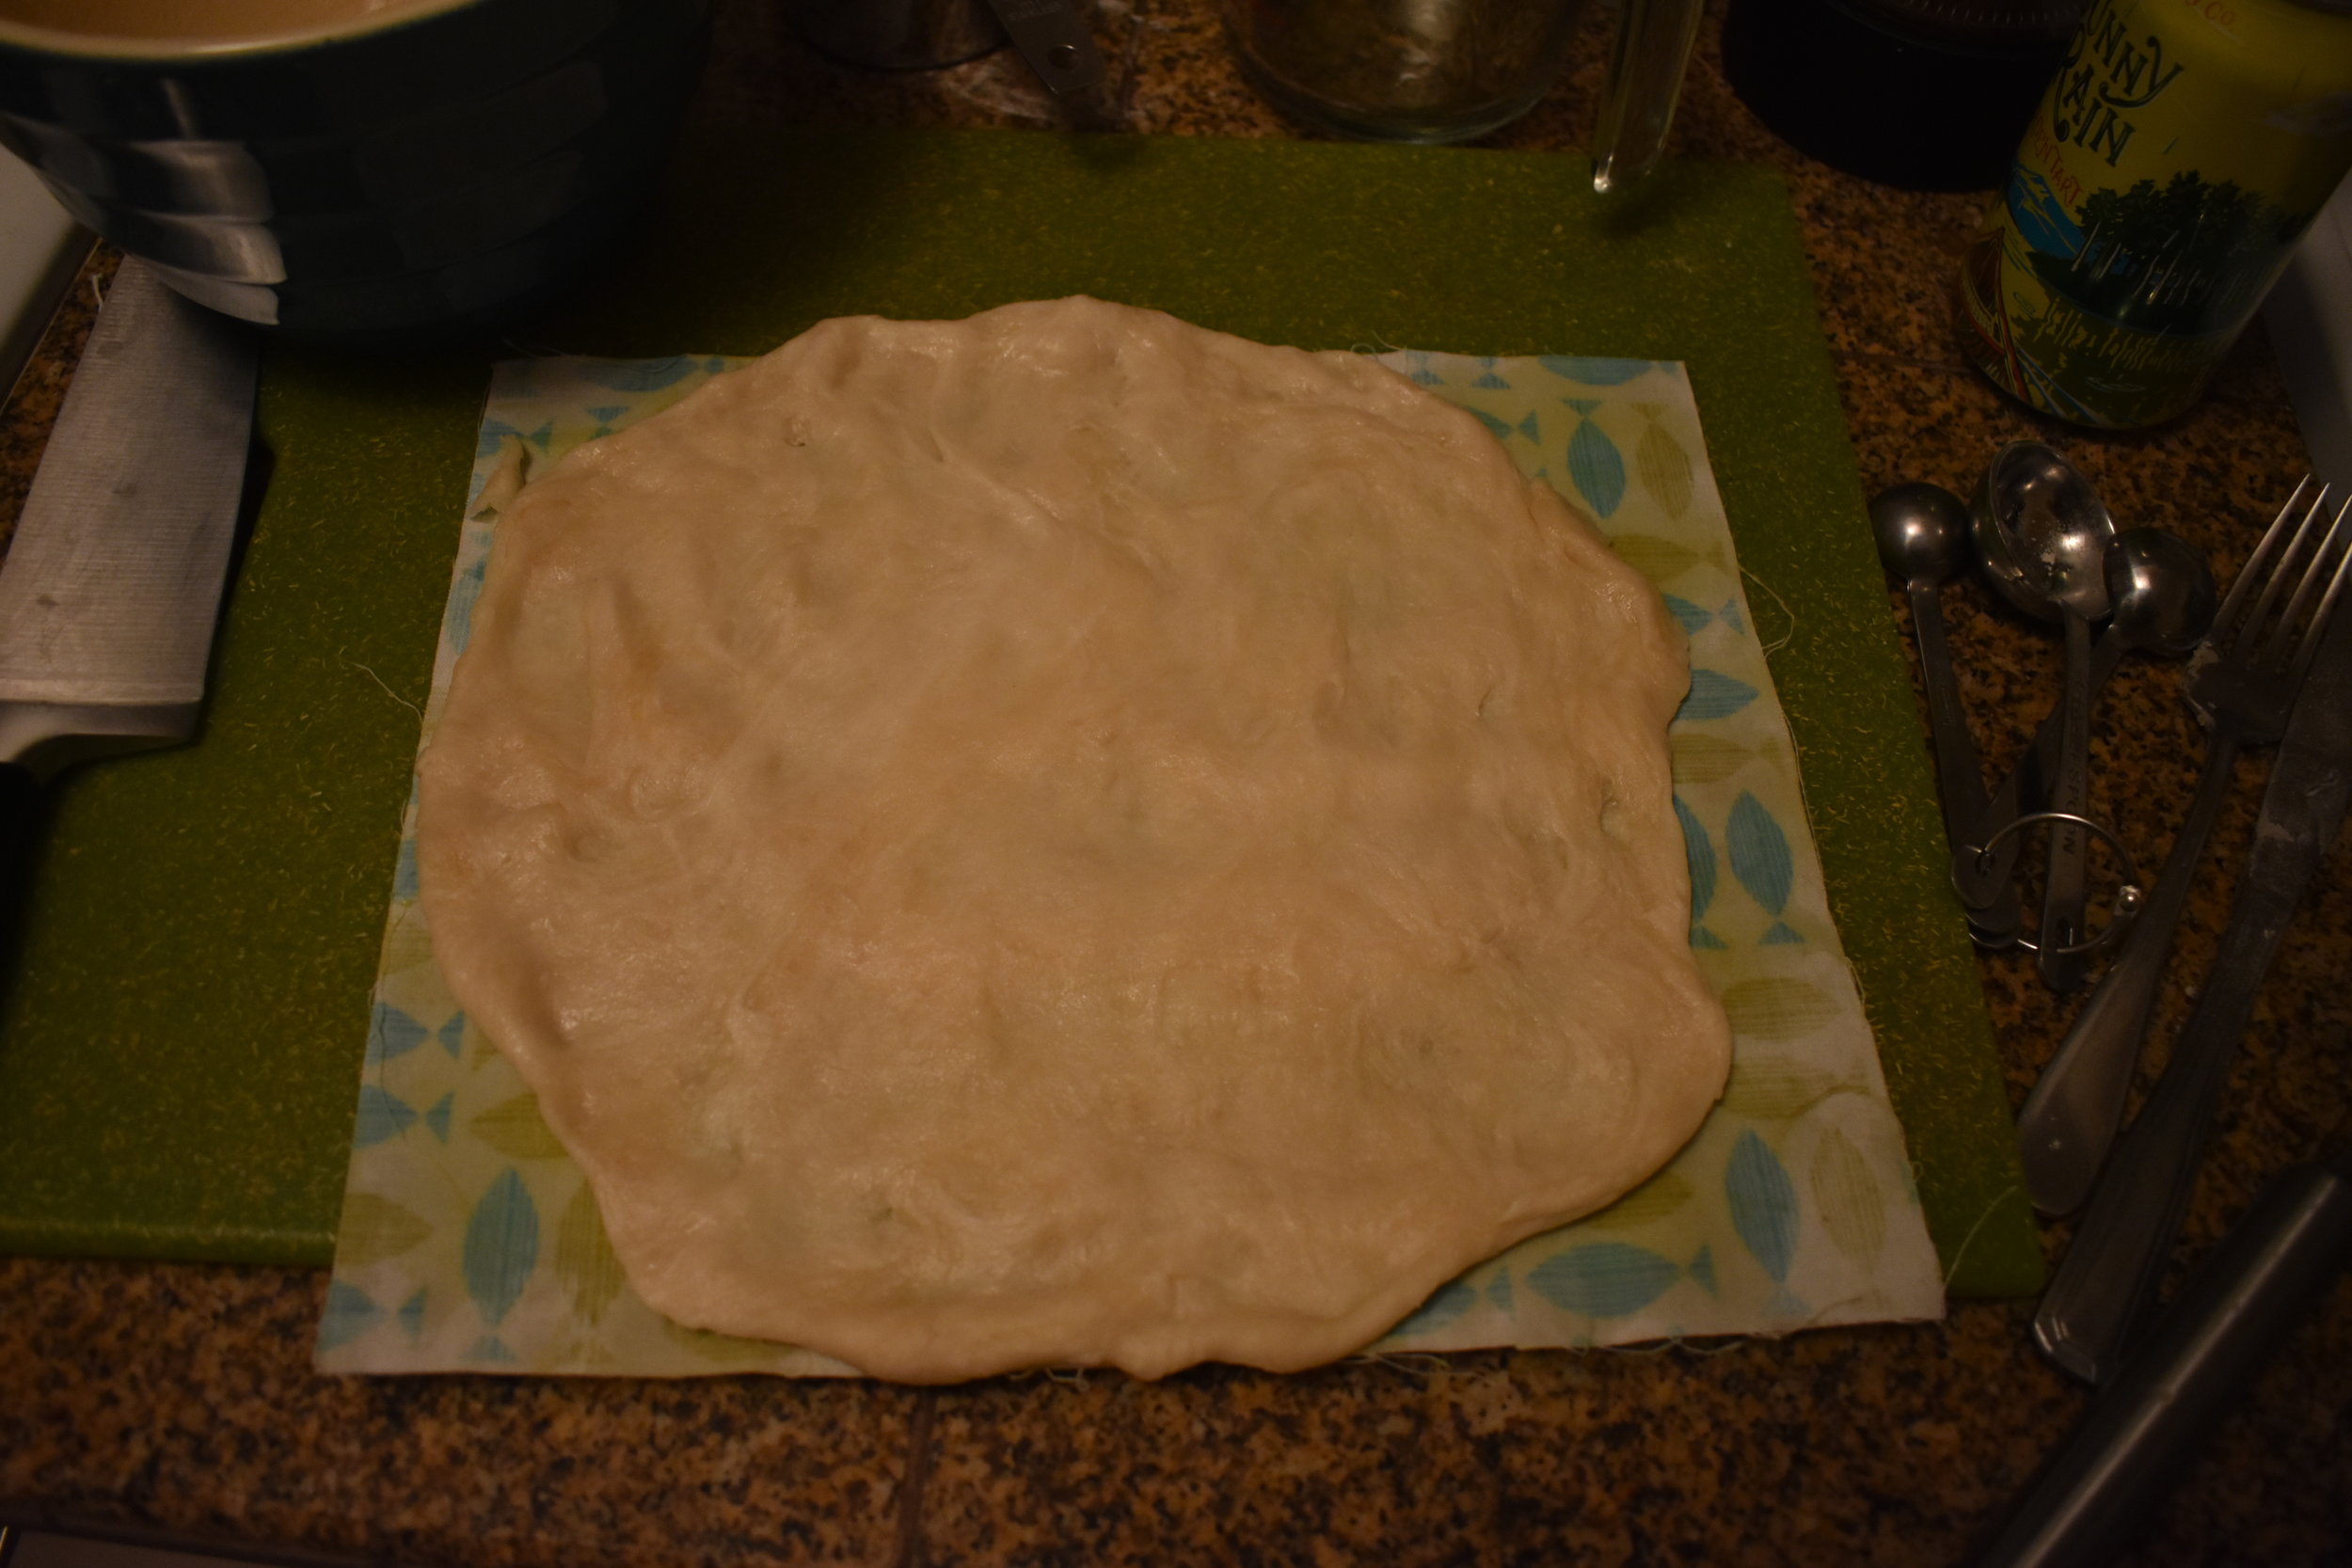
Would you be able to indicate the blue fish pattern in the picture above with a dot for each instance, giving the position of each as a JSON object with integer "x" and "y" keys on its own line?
{"x": 1699, "y": 852}
{"x": 1763, "y": 1203}
{"x": 502, "y": 1246}
{"x": 1714, "y": 695}
{"x": 382, "y": 1115}
{"x": 1595, "y": 372}
{"x": 1603, "y": 1279}
{"x": 1596, "y": 468}
{"x": 391, "y": 1033}
{"x": 1761, "y": 860}
{"x": 350, "y": 1312}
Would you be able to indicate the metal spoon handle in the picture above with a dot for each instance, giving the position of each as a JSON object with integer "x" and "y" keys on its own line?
{"x": 2069, "y": 1119}
{"x": 2062, "y": 898}
{"x": 1959, "y": 776}
{"x": 2022, "y": 791}
{"x": 2109, "y": 1273}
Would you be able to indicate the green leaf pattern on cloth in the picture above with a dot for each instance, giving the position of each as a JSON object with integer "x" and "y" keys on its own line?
{"x": 1848, "y": 1195}
{"x": 373, "y": 1228}
{"x": 514, "y": 1129}
{"x": 1654, "y": 1199}
{"x": 1793, "y": 1207}
{"x": 584, "y": 1259}
{"x": 1664, "y": 466}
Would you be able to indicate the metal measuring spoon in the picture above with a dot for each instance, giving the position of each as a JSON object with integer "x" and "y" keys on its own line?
{"x": 2163, "y": 592}
{"x": 1922, "y": 535}
{"x": 2165, "y": 597}
{"x": 2069, "y": 1119}
{"x": 2044, "y": 537}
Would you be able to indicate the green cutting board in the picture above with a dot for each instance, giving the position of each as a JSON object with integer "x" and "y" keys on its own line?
{"x": 184, "y": 1015}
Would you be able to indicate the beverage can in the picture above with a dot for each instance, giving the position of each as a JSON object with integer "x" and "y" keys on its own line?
{"x": 2180, "y": 151}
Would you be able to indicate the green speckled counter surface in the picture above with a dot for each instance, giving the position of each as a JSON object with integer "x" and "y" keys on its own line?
{"x": 181, "y": 1395}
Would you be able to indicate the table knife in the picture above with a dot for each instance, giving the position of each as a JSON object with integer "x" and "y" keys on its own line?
{"x": 2104, "y": 1286}
{"x": 2104, "y": 1483}
{"x": 1052, "y": 36}
{"x": 112, "y": 581}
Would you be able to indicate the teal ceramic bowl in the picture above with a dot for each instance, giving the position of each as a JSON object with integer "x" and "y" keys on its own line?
{"x": 442, "y": 172}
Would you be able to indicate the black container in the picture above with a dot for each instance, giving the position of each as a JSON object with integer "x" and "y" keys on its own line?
{"x": 1928, "y": 95}
{"x": 441, "y": 173}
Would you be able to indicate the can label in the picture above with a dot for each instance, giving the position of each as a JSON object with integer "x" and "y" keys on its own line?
{"x": 2179, "y": 155}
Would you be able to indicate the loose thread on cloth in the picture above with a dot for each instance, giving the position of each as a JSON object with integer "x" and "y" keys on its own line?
{"x": 379, "y": 681}
{"x": 1960, "y": 1252}
{"x": 1067, "y": 1377}
{"x": 1413, "y": 1363}
{"x": 1426, "y": 1364}
{"x": 1790, "y": 634}
{"x": 1710, "y": 1345}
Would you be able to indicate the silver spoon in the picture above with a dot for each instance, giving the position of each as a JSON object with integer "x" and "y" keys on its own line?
{"x": 2163, "y": 597}
{"x": 1922, "y": 535}
{"x": 2044, "y": 537}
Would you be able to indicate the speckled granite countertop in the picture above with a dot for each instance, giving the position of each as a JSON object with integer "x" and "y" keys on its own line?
{"x": 182, "y": 1396}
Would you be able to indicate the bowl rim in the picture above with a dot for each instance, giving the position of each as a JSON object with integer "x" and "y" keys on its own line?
{"x": 175, "y": 50}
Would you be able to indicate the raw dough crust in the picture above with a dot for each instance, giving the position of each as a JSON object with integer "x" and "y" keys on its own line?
{"x": 1067, "y": 838}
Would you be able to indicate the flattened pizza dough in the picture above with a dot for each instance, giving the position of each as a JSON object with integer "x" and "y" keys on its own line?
{"x": 1065, "y": 838}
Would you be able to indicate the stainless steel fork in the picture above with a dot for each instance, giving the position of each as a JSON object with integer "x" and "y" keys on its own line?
{"x": 2242, "y": 682}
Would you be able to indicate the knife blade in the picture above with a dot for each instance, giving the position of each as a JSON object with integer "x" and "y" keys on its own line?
{"x": 2104, "y": 1485}
{"x": 1052, "y": 36}
{"x": 112, "y": 581}
{"x": 2104, "y": 1286}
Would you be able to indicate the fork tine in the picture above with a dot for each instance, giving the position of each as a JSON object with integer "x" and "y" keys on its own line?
{"x": 2310, "y": 647}
{"x": 2225, "y": 619}
{"x": 2313, "y": 527}
{"x": 2309, "y": 585}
